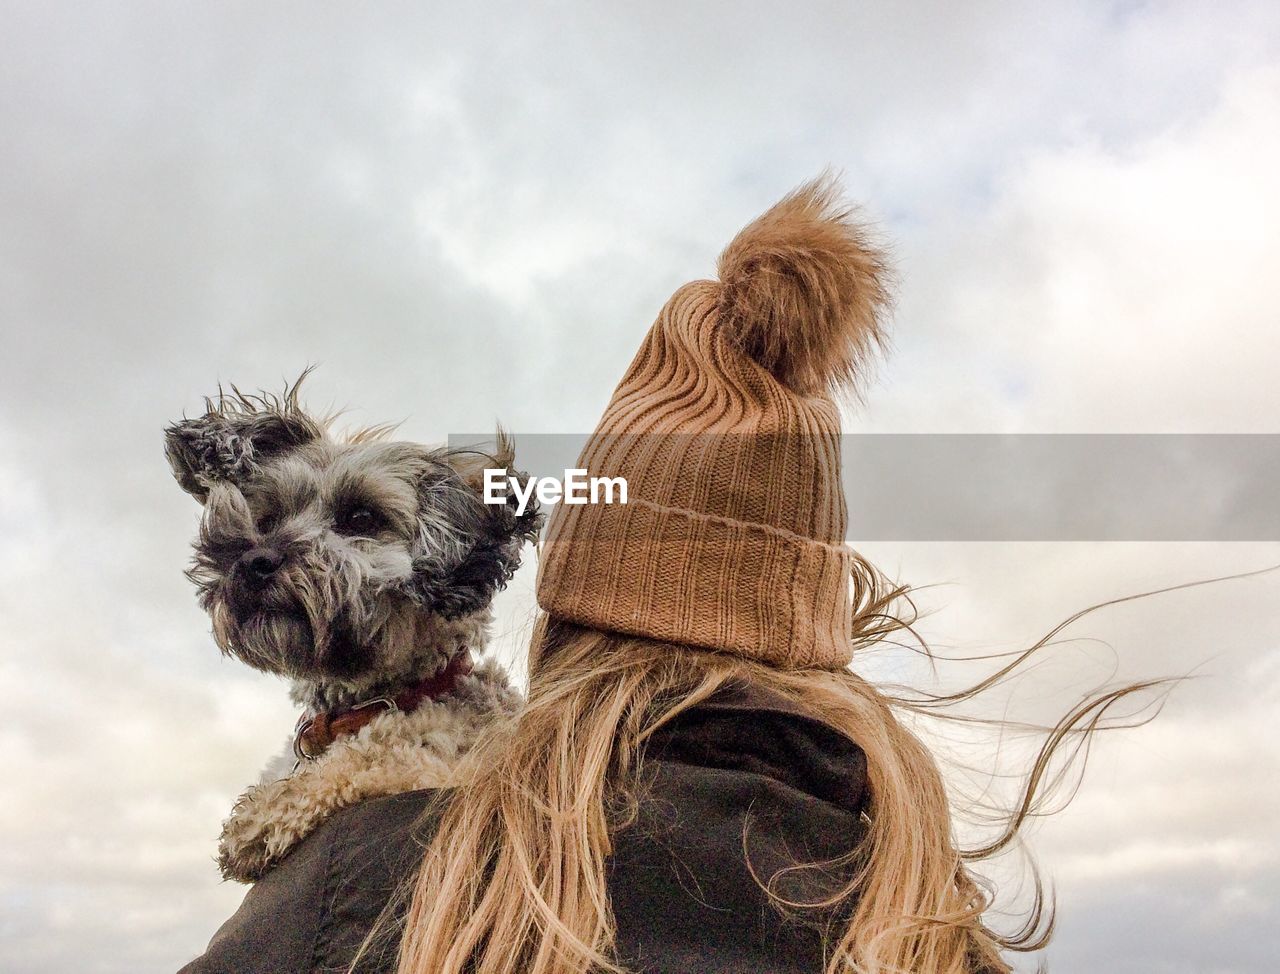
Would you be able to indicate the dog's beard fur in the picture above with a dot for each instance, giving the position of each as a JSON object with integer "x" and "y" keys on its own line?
{"x": 344, "y": 615}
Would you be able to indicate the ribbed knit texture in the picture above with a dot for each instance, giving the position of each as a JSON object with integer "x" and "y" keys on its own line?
{"x": 733, "y": 535}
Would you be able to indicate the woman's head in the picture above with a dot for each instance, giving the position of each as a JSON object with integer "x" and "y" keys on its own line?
{"x": 728, "y": 563}
{"x": 727, "y": 434}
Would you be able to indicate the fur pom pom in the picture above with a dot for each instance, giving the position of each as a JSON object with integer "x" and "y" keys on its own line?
{"x": 805, "y": 291}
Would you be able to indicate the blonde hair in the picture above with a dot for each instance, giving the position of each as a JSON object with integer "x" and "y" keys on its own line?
{"x": 513, "y": 880}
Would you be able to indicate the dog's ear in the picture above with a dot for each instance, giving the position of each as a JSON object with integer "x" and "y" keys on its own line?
{"x": 495, "y": 534}
{"x": 224, "y": 445}
{"x": 472, "y": 466}
{"x": 520, "y": 525}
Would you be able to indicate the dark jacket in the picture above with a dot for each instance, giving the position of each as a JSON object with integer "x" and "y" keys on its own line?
{"x": 683, "y": 896}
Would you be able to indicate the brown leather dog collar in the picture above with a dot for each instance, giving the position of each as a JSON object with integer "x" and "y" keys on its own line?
{"x": 316, "y": 731}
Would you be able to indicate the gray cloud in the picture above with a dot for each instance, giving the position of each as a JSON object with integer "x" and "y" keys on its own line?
{"x": 469, "y": 215}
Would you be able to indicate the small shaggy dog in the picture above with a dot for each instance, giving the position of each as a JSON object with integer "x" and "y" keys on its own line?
{"x": 362, "y": 570}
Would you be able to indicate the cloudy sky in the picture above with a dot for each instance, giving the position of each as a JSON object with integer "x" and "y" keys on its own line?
{"x": 466, "y": 213}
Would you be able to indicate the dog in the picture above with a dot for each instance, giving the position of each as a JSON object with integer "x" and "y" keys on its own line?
{"x": 361, "y": 569}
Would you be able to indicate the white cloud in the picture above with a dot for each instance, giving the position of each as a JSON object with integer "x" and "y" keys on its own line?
{"x": 465, "y": 222}
{"x": 1106, "y": 289}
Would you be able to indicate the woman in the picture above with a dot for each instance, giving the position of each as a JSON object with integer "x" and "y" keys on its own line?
{"x": 698, "y": 782}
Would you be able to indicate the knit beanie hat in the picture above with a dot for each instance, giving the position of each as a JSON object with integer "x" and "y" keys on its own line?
{"x": 728, "y": 436}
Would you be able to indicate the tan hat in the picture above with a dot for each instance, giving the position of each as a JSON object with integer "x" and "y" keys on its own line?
{"x": 725, "y": 429}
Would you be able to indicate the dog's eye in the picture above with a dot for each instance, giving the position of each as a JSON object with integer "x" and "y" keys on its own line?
{"x": 266, "y": 521}
{"x": 358, "y": 520}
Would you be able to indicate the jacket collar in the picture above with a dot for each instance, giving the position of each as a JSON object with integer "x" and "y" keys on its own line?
{"x": 747, "y": 727}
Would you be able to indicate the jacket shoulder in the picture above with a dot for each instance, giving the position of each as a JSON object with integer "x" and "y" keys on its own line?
{"x": 743, "y": 791}
{"x": 313, "y": 910}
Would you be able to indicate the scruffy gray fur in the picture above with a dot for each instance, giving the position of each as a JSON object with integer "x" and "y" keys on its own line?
{"x": 352, "y": 566}
{"x": 356, "y": 567}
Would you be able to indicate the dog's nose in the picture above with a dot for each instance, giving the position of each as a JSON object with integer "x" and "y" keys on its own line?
{"x": 259, "y": 564}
